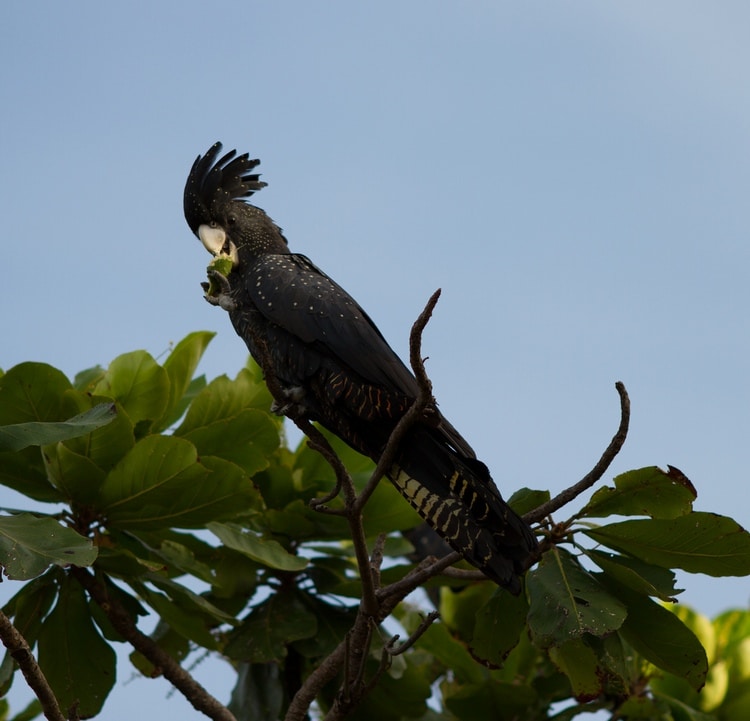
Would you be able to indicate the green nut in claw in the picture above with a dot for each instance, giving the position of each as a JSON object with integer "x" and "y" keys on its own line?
{"x": 221, "y": 264}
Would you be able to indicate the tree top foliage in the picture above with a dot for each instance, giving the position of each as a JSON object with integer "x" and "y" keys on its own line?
{"x": 177, "y": 497}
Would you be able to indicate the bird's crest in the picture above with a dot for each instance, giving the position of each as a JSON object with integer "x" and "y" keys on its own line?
{"x": 212, "y": 183}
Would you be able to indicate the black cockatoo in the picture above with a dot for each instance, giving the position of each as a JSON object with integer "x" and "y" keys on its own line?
{"x": 334, "y": 366}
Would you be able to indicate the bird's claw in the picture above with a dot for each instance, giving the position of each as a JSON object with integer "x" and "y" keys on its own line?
{"x": 218, "y": 291}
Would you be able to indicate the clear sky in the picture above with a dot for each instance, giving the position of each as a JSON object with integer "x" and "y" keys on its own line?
{"x": 574, "y": 176}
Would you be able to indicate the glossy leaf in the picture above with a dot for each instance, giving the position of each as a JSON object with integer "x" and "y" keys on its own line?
{"x": 138, "y": 383}
{"x": 580, "y": 664}
{"x": 567, "y": 601}
{"x": 30, "y": 605}
{"x": 188, "y": 599}
{"x": 636, "y": 574}
{"x": 387, "y": 511}
{"x": 644, "y": 492}
{"x": 661, "y": 637}
{"x": 525, "y": 500}
{"x": 106, "y": 446}
{"x": 259, "y": 693}
{"x": 180, "y": 367}
{"x": 33, "y": 392}
{"x": 265, "y": 632}
{"x": 451, "y": 652}
{"x": 247, "y": 438}
{"x": 29, "y": 545}
{"x": 184, "y": 620}
{"x": 499, "y": 625}
{"x": 77, "y": 477}
{"x": 221, "y": 399}
{"x": 77, "y": 662}
{"x": 268, "y": 552}
{"x": 24, "y": 471}
{"x": 698, "y": 543}
{"x": 17, "y": 436}
{"x": 161, "y": 484}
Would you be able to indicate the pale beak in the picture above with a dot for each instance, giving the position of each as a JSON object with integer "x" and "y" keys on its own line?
{"x": 213, "y": 239}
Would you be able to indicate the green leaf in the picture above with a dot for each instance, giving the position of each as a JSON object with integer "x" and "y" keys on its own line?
{"x": 452, "y": 653}
{"x": 566, "y": 601}
{"x": 525, "y": 500}
{"x": 266, "y": 631}
{"x": 685, "y": 712}
{"x": 258, "y": 694}
{"x": 187, "y": 599}
{"x": 138, "y": 383}
{"x": 580, "y": 664}
{"x": 24, "y": 471}
{"x": 498, "y": 628}
{"x": 499, "y": 701}
{"x": 247, "y": 438}
{"x": 221, "y": 399}
{"x": 698, "y": 542}
{"x": 87, "y": 379}
{"x": 184, "y": 620}
{"x": 180, "y": 367}
{"x": 38, "y": 433}
{"x": 30, "y": 605}
{"x": 269, "y": 553}
{"x": 78, "y": 664}
{"x": 660, "y": 637}
{"x": 333, "y": 622}
{"x": 636, "y": 574}
{"x": 106, "y": 446}
{"x": 387, "y": 511}
{"x": 644, "y": 492}
{"x": 161, "y": 484}
{"x": 32, "y": 392}
{"x": 29, "y": 545}
{"x": 77, "y": 477}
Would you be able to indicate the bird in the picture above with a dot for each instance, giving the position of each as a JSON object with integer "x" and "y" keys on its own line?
{"x": 332, "y": 365}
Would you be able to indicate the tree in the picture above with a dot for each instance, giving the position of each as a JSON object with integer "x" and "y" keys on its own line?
{"x": 303, "y": 561}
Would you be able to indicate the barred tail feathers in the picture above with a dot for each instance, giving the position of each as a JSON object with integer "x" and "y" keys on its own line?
{"x": 459, "y": 500}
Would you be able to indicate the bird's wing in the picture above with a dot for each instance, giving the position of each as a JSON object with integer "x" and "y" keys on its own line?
{"x": 291, "y": 292}
{"x": 295, "y": 295}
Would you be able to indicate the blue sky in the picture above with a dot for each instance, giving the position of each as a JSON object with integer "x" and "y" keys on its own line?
{"x": 574, "y": 176}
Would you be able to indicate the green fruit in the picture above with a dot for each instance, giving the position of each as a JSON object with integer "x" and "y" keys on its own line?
{"x": 221, "y": 264}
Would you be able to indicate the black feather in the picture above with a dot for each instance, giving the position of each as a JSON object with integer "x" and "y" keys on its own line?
{"x": 213, "y": 183}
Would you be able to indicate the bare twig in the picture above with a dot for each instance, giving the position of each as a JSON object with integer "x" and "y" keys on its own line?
{"x": 21, "y": 654}
{"x": 124, "y": 624}
{"x": 426, "y": 622}
{"x": 596, "y": 472}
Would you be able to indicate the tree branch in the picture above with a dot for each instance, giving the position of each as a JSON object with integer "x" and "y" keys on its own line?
{"x": 417, "y": 408}
{"x": 596, "y": 472}
{"x": 21, "y": 654}
{"x": 124, "y": 624}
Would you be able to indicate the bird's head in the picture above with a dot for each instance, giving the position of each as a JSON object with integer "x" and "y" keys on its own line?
{"x": 215, "y": 209}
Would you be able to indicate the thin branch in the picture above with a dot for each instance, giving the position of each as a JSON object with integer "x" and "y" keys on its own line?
{"x": 124, "y": 624}
{"x": 427, "y": 621}
{"x": 423, "y": 399}
{"x": 596, "y": 472}
{"x": 21, "y": 654}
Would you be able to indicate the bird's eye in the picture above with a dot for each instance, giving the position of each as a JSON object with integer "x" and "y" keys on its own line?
{"x": 232, "y": 219}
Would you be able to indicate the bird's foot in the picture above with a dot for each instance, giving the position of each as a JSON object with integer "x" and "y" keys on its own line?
{"x": 292, "y": 404}
{"x": 218, "y": 291}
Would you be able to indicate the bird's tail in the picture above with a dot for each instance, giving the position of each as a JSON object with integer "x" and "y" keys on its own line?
{"x": 457, "y": 497}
